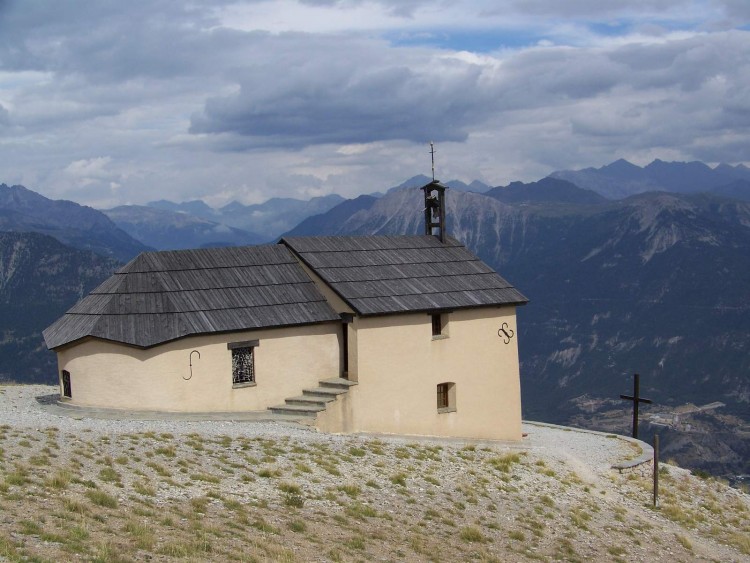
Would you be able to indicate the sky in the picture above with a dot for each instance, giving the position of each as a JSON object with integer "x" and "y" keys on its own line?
{"x": 107, "y": 102}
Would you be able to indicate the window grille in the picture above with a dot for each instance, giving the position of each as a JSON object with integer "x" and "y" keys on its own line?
{"x": 243, "y": 368}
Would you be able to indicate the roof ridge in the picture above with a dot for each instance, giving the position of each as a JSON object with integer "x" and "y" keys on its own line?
{"x": 202, "y": 289}
{"x": 107, "y": 313}
{"x": 162, "y": 269}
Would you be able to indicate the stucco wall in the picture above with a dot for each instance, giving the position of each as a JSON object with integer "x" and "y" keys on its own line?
{"x": 399, "y": 366}
{"x": 287, "y": 360}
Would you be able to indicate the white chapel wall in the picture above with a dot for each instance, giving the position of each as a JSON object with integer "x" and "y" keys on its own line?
{"x": 107, "y": 374}
{"x": 399, "y": 366}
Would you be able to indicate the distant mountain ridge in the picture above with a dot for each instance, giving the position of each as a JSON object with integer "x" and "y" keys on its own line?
{"x": 82, "y": 227}
{"x": 551, "y": 190}
{"x": 420, "y": 180}
{"x": 621, "y": 178}
{"x": 169, "y": 230}
{"x": 271, "y": 218}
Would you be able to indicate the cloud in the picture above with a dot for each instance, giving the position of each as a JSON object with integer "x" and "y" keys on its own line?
{"x": 737, "y": 10}
{"x": 398, "y": 8}
{"x": 591, "y": 9}
{"x": 357, "y": 92}
{"x": 348, "y": 91}
{"x": 4, "y": 117}
{"x": 248, "y": 100}
{"x": 89, "y": 168}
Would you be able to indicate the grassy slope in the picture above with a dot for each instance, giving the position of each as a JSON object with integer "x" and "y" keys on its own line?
{"x": 125, "y": 497}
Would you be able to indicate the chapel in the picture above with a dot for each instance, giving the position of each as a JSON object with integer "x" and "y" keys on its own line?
{"x": 410, "y": 335}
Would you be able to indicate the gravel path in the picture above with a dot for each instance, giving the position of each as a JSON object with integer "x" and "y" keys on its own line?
{"x": 590, "y": 453}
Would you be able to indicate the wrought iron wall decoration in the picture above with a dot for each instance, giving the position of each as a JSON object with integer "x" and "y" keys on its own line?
{"x": 506, "y": 333}
{"x": 191, "y": 365}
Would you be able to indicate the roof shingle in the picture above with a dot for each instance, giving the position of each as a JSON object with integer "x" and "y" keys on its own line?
{"x": 162, "y": 296}
{"x": 377, "y": 275}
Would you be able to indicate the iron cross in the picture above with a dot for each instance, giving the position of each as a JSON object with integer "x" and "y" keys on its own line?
{"x": 636, "y": 398}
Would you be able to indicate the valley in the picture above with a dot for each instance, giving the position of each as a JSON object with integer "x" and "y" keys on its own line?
{"x": 703, "y": 438}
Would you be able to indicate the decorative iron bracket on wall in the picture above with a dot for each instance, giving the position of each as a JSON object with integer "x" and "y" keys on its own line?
{"x": 191, "y": 365}
{"x": 506, "y": 333}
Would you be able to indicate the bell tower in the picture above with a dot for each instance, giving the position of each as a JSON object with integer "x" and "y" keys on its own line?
{"x": 434, "y": 209}
{"x": 434, "y": 204}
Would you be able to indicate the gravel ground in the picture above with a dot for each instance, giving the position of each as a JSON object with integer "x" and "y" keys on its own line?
{"x": 590, "y": 451}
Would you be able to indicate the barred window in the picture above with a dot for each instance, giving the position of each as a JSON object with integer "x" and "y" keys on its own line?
{"x": 243, "y": 369}
{"x": 243, "y": 362}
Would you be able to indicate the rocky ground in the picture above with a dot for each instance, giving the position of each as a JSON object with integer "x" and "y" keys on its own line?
{"x": 77, "y": 488}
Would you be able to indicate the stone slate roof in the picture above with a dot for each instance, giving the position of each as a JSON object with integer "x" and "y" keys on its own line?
{"x": 378, "y": 275}
{"x": 162, "y": 296}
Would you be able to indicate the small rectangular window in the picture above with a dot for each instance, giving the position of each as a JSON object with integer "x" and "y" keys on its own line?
{"x": 437, "y": 325}
{"x": 442, "y": 396}
{"x": 66, "y": 391}
{"x": 243, "y": 366}
{"x": 446, "y": 397}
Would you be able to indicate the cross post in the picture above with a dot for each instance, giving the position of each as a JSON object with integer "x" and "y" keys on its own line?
{"x": 432, "y": 154}
{"x": 636, "y": 398}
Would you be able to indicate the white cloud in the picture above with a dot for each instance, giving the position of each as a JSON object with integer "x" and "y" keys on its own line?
{"x": 89, "y": 168}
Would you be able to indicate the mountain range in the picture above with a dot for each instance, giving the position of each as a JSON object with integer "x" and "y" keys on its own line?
{"x": 40, "y": 278}
{"x": 270, "y": 218}
{"x": 622, "y": 179}
{"x": 655, "y": 281}
{"x": 171, "y": 230}
{"x": 23, "y": 210}
{"x": 167, "y": 225}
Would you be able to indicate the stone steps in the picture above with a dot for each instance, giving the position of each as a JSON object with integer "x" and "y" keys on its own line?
{"x": 312, "y": 401}
{"x": 337, "y": 383}
{"x": 298, "y": 410}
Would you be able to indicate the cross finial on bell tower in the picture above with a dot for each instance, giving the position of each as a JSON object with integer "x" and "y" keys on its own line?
{"x": 432, "y": 154}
